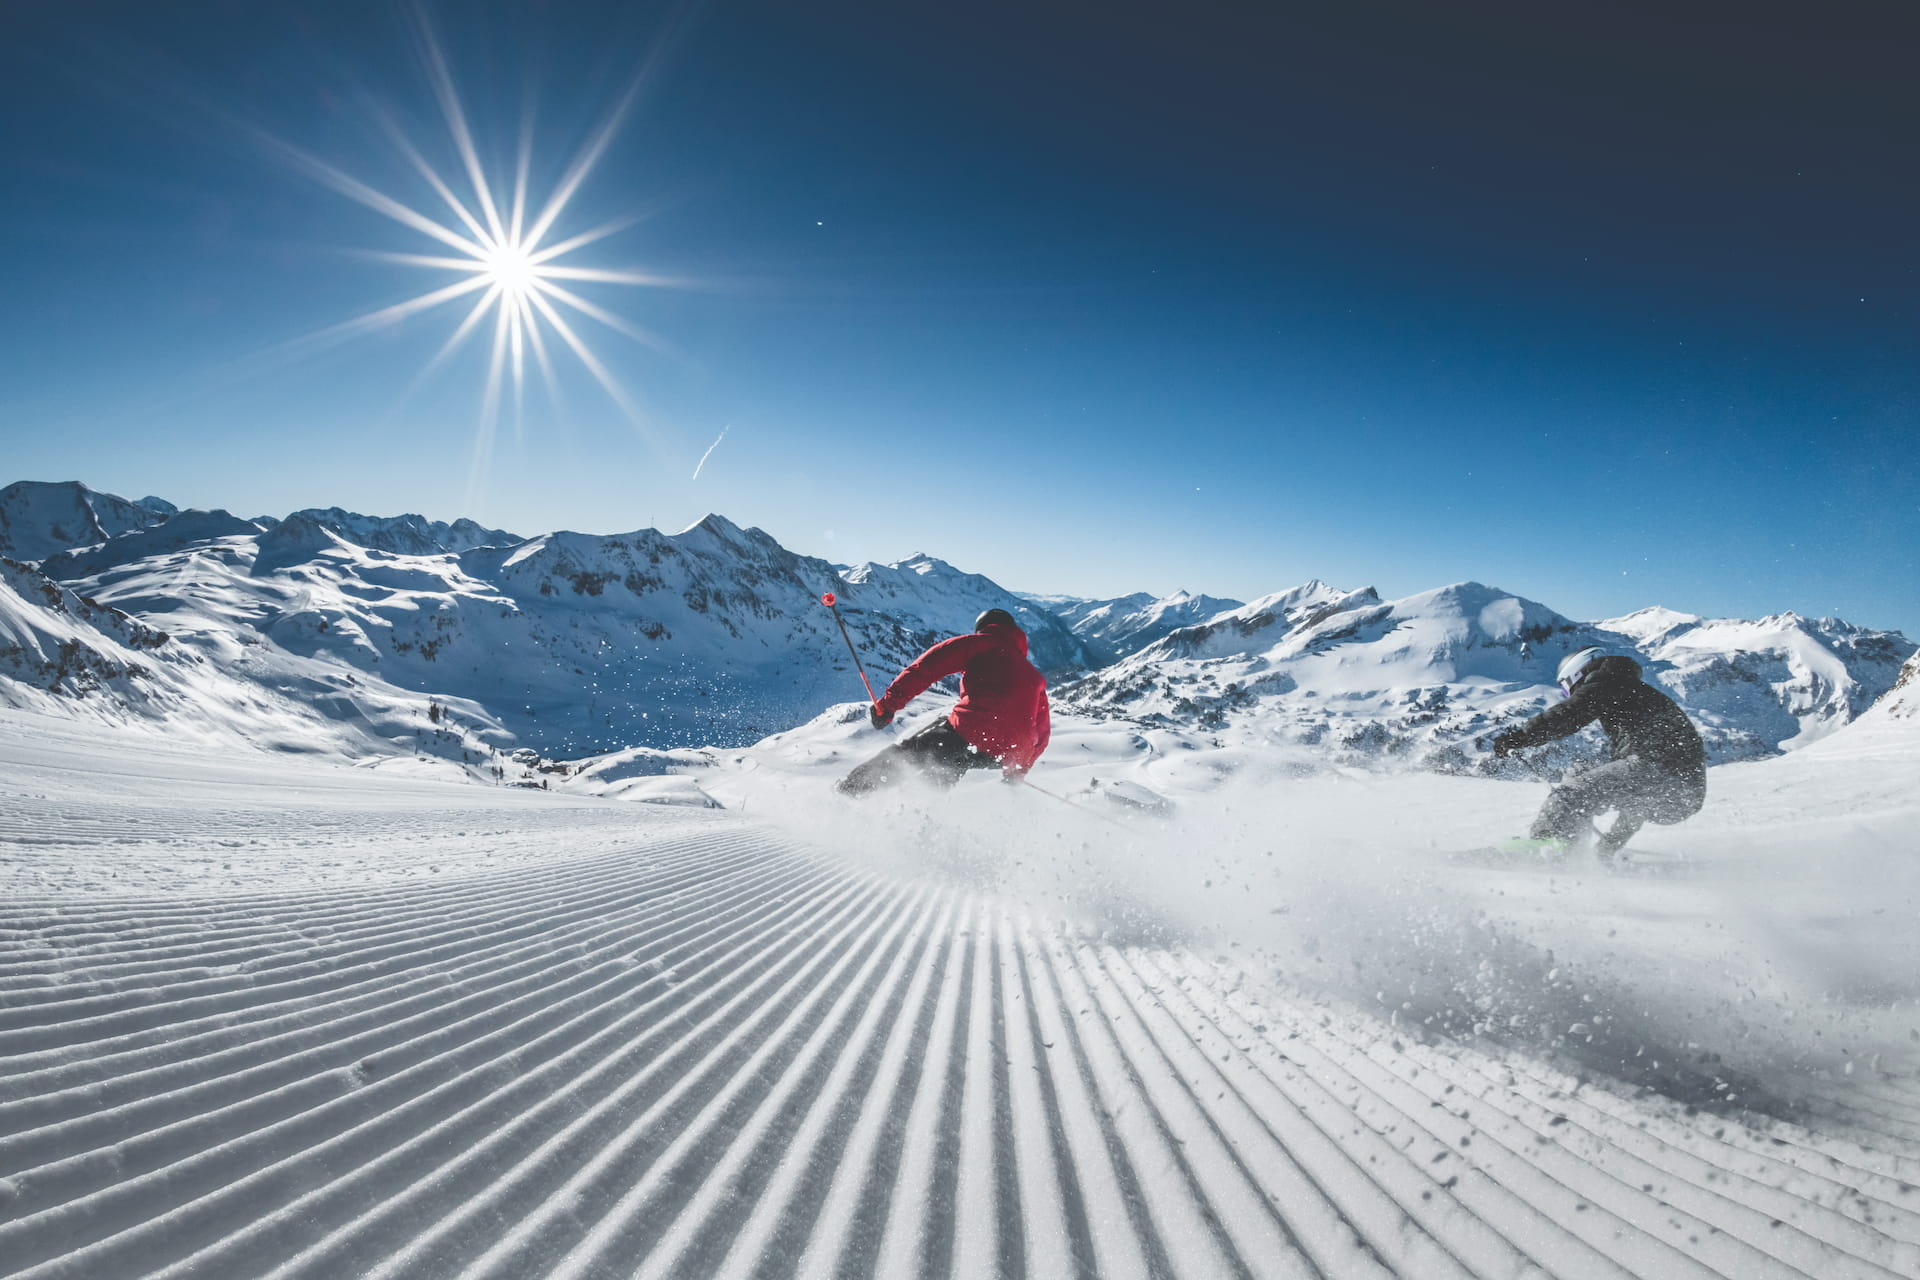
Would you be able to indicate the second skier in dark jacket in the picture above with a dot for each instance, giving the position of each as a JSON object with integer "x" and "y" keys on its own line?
{"x": 1658, "y": 772}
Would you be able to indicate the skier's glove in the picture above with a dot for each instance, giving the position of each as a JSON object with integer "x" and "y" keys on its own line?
{"x": 1503, "y": 745}
{"x": 878, "y": 718}
{"x": 1012, "y": 775}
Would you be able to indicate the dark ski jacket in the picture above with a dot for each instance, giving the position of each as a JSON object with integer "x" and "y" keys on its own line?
{"x": 1641, "y": 722}
{"x": 1003, "y": 698}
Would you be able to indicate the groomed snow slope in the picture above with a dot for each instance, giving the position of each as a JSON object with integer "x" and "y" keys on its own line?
{"x": 263, "y": 1018}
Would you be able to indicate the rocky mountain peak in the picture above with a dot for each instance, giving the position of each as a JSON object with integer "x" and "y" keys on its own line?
{"x": 42, "y": 518}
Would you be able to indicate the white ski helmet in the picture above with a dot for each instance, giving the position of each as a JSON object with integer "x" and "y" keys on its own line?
{"x": 1575, "y": 664}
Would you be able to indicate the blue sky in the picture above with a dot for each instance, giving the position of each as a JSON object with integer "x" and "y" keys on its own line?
{"x": 1609, "y": 306}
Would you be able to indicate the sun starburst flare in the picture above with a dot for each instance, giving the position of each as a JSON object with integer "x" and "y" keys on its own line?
{"x": 509, "y": 256}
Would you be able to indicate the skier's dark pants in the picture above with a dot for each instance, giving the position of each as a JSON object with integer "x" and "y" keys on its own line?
{"x": 1640, "y": 790}
{"x": 937, "y": 753}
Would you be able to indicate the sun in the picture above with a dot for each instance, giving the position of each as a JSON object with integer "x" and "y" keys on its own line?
{"x": 507, "y": 256}
{"x": 511, "y": 269}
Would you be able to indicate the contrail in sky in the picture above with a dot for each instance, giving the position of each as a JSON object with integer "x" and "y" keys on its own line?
{"x": 709, "y": 453}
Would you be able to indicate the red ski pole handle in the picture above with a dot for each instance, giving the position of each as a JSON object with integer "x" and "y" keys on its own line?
{"x": 832, "y": 604}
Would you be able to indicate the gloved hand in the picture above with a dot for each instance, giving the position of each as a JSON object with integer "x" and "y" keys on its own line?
{"x": 879, "y": 719}
{"x": 1503, "y": 745}
{"x": 1012, "y": 775}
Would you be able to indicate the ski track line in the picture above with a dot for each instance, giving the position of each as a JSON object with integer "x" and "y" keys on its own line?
{"x": 89, "y": 1014}
{"x": 522, "y": 1124}
{"x": 472, "y": 1071}
{"x": 1696, "y": 1221}
{"x": 718, "y": 1054}
{"x": 395, "y": 1039}
{"x": 468, "y": 970}
{"x": 1774, "y": 1183}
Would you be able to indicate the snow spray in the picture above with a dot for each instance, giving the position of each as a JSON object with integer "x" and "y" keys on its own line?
{"x": 832, "y": 604}
{"x": 1072, "y": 805}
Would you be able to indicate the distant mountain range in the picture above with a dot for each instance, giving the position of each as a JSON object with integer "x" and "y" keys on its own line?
{"x": 375, "y": 637}
{"x": 1426, "y": 676}
{"x": 1113, "y": 629}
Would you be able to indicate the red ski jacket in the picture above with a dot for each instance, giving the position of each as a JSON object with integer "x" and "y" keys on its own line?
{"x": 1003, "y": 697}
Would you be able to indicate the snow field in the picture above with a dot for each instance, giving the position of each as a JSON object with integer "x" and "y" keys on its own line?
{"x": 720, "y": 1058}
{"x": 973, "y": 1035}
{"x": 718, "y": 1055}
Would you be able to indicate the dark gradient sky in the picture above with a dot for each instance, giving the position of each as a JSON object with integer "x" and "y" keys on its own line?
{"x": 1611, "y": 305}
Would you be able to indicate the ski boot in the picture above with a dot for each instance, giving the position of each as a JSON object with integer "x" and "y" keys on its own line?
{"x": 1610, "y": 842}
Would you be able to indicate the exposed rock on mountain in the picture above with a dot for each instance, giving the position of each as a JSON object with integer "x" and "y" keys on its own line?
{"x": 56, "y": 642}
{"x": 1896, "y": 715}
{"x": 216, "y": 680}
{"x": 1904, "y": 698}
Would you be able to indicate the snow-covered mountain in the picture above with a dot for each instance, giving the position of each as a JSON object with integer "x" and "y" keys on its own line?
{"x": 212, "y": 680}
{"x": 38, "y": 518}
{"x": 408, "y": 535}
{"x": 1902, "y": 702}
{"x": 948, "y": 600}
{"x": 169, "y": 536}
{"x": 366, "y": 636}
{"x": 1113, "y": 629}
{"x": 1784, "y": 680}
{"x": 569, "y": 643}
{"x": 53, "y": 642}
{"x": 1426, "y": 676}
{"x": 1890, "y": 724}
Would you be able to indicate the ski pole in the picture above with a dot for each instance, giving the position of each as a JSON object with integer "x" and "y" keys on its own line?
{"x": 1071, "y": 805}
{"x": 833, "y": 605}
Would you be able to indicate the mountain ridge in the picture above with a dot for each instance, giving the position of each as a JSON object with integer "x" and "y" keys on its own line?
{"x": 478, "y": 641}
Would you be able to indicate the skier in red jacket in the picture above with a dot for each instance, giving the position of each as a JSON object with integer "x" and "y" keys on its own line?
{"x": 1001, "y": 719}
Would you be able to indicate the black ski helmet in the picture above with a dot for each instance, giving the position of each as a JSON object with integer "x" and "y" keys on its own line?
{"x": 998, "y": 617}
